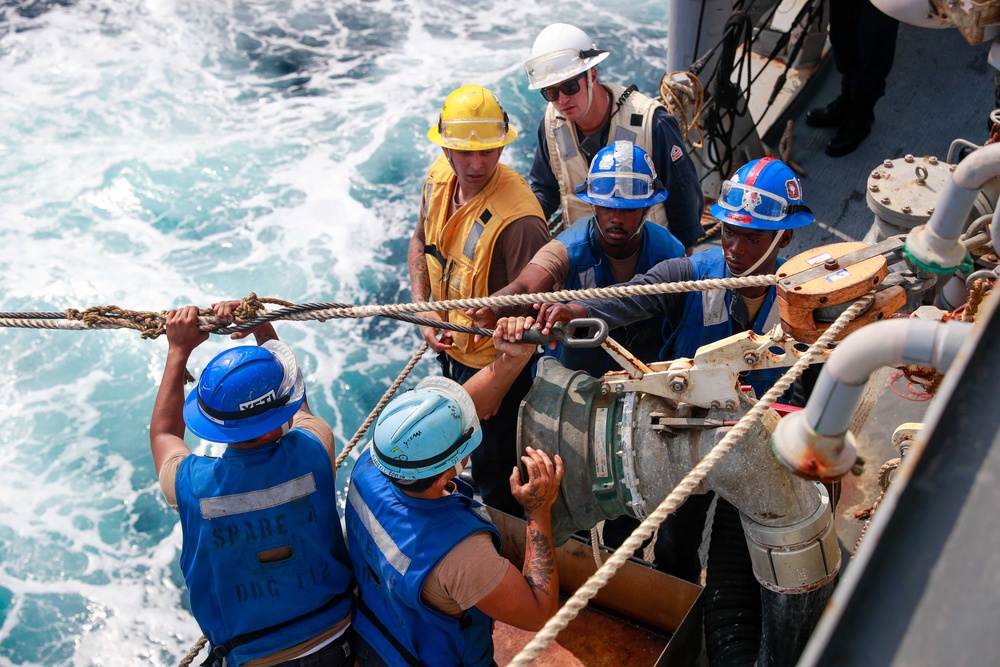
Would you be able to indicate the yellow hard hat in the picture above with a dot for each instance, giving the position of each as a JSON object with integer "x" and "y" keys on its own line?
{"x": 472, "y": 120}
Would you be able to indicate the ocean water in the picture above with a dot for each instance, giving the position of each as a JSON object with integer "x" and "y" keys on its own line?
{"x": 156, "y": 153}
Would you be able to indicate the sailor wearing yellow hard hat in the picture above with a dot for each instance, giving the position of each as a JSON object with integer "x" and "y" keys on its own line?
{"x": 479, "y": 224}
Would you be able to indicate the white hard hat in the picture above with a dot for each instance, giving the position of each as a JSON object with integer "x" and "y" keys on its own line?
{"x": 560, "y": 52}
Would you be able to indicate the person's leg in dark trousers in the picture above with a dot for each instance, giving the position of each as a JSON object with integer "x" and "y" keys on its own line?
{"x": 863, "y": 40}
{"x": 877, "y": 34}
{"x": 677, "y": 540}
{"x": 366, "y": 655}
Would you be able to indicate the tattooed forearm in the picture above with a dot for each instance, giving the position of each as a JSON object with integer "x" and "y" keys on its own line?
{"x": 420, "y": 282}
{"x": 539, "y": 561}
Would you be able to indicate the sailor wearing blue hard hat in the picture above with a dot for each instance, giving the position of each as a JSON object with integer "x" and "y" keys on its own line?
{"x": 759, "y": 208}
{"x": 430, "y": 578}
{"x": 763, "y": 195}
{"x": 269, "y": 501}
{"x": 609, "y": 246}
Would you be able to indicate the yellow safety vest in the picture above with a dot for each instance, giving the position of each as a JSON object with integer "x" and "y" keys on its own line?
{"x": 459, "y": 249}
{"x": 632, "y": 122}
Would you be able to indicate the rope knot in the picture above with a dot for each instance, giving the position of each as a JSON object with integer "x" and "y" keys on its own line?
{"x": 249, "y": 308}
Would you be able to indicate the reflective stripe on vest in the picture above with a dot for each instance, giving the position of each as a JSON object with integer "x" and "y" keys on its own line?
{"x": 423, "y": 531}
{"x": 460, "y": 248}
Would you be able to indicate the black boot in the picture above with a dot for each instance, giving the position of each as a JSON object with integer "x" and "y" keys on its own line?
{"x": 834, "y": 113}
{"x": 858, "y": 125}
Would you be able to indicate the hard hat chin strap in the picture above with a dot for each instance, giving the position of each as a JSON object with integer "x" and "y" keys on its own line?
{"x": 638, "y": 230}
{"x": 590, "y": 94}
{"x": 778, "y": 234}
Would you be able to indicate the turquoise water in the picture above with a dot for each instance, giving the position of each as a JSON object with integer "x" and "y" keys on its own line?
{"x": 166, "y": 152}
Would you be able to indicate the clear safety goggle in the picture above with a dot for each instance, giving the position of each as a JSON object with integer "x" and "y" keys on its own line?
{"x": 554, "y": 64}
{"x": 755, "y": 202}
{"x": 462, "y": 131}
{"x": 623, "y": 184}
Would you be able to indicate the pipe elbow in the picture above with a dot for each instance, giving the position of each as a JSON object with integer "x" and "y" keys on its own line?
{"x": 810, "y": 454}
{"x": 978, "y": 167}
{"x": 935, "y": 247}
{"x": 814, "y": 442}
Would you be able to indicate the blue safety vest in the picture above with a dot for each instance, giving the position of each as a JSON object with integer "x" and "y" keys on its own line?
{"x": 396, "y": 541}
{"x": 253, "y": 500}
{"x": 588, "y": 268}
{"x": 707, "y": 318}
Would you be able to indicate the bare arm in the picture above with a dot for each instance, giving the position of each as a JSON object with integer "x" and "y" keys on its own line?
{"x": 528, "y": 598}
{"x": 488, "y": 386}
{"x": 166, "y": 426}
{"x": 420, "y": 284}
{"x": 532, "y": 279}
{"x": 420, "y": 287}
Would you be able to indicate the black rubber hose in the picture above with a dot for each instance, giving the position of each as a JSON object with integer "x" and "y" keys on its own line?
{"x": 732, "y": 595}
{"x": 789, "y": 620}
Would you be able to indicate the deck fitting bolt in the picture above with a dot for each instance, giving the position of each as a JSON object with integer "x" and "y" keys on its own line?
{"x": 906, "y": 209}
{"x": 887, "y": 164}
{"x": 876, "y": 174}
{"x": 858, "y": 467}
{"x": 885, "y": 200}
{"x": 932, "y": 160}
{"x": 908, "y": 158}
{"x": 873, "y": 187}
{"x": 831, "y": 264}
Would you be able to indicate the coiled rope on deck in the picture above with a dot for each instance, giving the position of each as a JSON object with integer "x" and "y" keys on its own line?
{"x": 152, "y": 324}
{"x": 681, "y": 492}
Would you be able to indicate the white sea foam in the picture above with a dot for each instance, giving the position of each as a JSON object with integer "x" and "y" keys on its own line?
{"x": 172, "y": 152}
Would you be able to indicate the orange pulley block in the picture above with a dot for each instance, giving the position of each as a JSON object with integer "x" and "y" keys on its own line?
{"x": 816, "y": 286}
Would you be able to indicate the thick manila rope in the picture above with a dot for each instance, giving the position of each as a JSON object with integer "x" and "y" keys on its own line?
{"x": 111, "y": 317}
{"x": 680, "y": 493}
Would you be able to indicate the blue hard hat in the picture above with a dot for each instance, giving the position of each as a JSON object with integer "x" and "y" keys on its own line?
{"x": 622, "y": 176}
{"x": 245, "y": 392}
{"x": 425, "y": 431}
{"x": 763, "y": 194}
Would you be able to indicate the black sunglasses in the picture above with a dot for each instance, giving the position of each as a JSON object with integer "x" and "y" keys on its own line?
{"x": 567, "y": 88}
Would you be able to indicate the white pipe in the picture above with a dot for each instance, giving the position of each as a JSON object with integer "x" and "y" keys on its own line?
{"x": 887, "y": 343}
{"x": 815, "y": 441}
{"x": 935, "y": 245}
{"x": 967, "y": 180}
